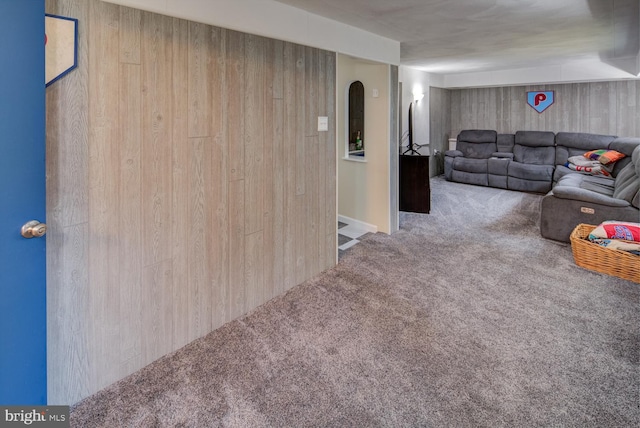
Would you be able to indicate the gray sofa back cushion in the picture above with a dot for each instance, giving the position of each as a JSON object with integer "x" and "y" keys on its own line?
{"x": 535, "y": 138}
{"x": 534, "y": 147}
{"x": 505, "y": 143}
{"x": 477, "y": 143}
{"x": 577, "y": 143}
{"x": 626, "y": 146}
{"x": 534, "y": 155}
{"x": 627, "y": 185}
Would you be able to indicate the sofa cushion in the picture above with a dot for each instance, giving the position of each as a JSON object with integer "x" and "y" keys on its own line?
{"x": 534, "y": 155}
{"x": 453, "y": 153}
{"x": 470, "y": 178}
{"x": 535, "y": 138}
{"x": 477, "y": 143}
{"x": 505, "y": 143}
{"x": 626, "y": 146}
{"x": 502, "y": 155}
{"x": 476, "y": 150}
{"x": 560, "y": 172}
{"x": 602, "y": 185}
{"x": 470, "y": 165}
{"x": 478, "y": 136}
{"x": 498, "y": 166}
{"x": 534, "y": 147}
{"x": 528, "y": 185}
{"x": 585, "y": 188}
{"x": 627, "y": 185}
{"x": 530, "y": 172}
{"x": 576, "y": 143}
{"x": 581, "y": 140}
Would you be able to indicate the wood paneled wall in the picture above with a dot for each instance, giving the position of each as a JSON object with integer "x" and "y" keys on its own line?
{"x": 394, "y": 156}
{"x": 611, "y": 108}
{"x": 187, "y": 184}
{"x": 439, "y": 128}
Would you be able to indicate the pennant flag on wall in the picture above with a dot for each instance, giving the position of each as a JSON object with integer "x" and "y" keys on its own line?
{"x": 540, "y": 101}
{"x": 60, "y": 46}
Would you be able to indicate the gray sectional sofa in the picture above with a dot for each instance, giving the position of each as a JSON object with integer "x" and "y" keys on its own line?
{"x": 522, "y": 161}
{"x": 534, "y": 161}
{"x": 578, "y": 198}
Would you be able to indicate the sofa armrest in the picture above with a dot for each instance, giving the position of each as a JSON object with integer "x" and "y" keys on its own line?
{"x": 502, "y": 155}
{"x": 580, "y": 194}
{"x": 453, "y": 153}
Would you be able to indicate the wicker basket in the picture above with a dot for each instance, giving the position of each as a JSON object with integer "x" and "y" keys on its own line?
{"x": 601, "y": 259}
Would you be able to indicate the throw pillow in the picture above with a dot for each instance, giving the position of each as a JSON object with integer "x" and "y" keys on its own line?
{"x": 604, "y": 156}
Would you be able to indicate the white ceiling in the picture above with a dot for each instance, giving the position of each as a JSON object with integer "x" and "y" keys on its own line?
{"x": 454, "y": 36}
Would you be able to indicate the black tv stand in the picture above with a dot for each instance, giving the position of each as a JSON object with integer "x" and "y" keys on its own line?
{"x": 415, "y": 192}
{"x": 411, "y": 150}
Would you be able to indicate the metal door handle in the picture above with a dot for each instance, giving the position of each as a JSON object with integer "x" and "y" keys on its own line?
{"x": 33, "y": 229}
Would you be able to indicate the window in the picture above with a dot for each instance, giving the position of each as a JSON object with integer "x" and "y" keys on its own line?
{"x": 355, "y": 135}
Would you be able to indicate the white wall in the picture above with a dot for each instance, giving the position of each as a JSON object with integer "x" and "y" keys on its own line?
{"x": 417, "y": 81}
{"x": 272, "y": 19}
{"x": 592, "y": 70}
{"x": 279, "y": 21}
{"x": 363, "y": 187}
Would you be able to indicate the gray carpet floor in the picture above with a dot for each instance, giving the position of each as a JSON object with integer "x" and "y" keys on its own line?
{"x": 464, "y": 318}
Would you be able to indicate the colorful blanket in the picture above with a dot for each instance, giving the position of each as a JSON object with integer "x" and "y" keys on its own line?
{"x": 617, "y": 235}
{"x": 604, "y": 156}
{"x": 587, "y": 166}
{"x": 595, "y": 162}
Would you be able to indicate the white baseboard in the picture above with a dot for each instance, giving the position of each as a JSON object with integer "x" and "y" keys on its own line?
{"x": 359, "y": 224}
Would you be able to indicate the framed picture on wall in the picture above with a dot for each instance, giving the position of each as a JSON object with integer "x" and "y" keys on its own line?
{"x": 540, "y": 100}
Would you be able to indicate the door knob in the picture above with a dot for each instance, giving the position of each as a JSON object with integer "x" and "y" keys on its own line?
{"x": 33, "y": 229}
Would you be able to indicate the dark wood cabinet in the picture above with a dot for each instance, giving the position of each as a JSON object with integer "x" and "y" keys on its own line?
{"x": 415, "y": 193}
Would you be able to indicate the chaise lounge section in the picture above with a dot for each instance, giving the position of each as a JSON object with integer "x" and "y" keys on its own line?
{"x": 580, "y": 198}
{"x": 536, "y": 161}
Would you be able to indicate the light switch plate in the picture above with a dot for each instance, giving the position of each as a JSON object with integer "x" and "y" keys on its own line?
{"x": 323, "y": 123}
{"x": 376, "y": 93}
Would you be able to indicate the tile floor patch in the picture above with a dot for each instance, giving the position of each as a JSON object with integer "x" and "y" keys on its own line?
{"x": 342, "y": 239}
{"x": 352, "y": 231}
{"x": 348, "y": 236}
{"x": 348, "y": 244}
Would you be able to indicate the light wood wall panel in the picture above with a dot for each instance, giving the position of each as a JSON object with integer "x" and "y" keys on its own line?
{"x": 104, "y": 194}
{"x": 181, "y": 176}
{"x": 130, "y": 213}
{"x": 67, "y": 156}
{"x": 439, "y": 128}
{"x": 611, "y": 108}
{"x": 394, "y": 156}
{"x": 187, "y": 184}
{"x": 157, "y": 130}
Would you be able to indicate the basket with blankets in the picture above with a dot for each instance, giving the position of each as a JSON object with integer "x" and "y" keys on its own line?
{"x": 612, "y": 247}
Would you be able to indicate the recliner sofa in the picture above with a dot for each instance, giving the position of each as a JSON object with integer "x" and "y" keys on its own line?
{"x": 469, "y": 162}
{"x": 524, "y": 161}
{"x": 534, "y": 161}
{"x": 580, "y": 198}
